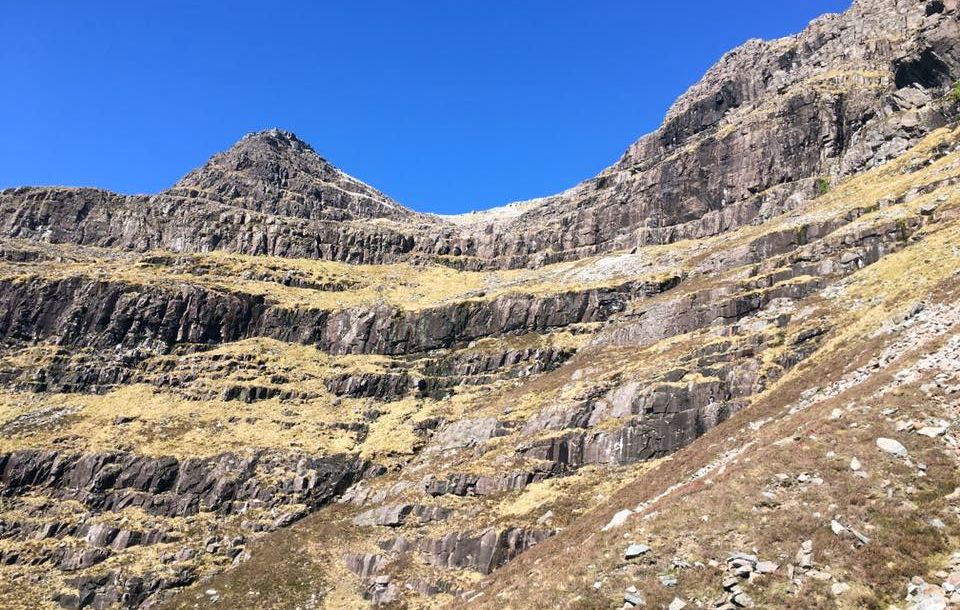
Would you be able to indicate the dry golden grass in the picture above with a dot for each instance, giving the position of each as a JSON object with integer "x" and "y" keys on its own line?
{"x": 725, "y": 512}
{"x": 407, "y": 286}
{"x": 164, "y": 424}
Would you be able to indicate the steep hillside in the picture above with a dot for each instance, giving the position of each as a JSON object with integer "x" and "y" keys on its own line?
{"x": 724, "y": 373}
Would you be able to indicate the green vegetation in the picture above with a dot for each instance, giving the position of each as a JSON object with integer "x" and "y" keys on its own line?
{"x": 955, "y": 93}
{"x": 823, "y": 186}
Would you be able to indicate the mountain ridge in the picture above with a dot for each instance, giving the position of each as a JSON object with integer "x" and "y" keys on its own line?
{"x": 724, "y": 373}
{"x": 758, "y": 133}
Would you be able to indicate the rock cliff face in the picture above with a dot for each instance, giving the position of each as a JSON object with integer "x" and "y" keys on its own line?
{"x": 169, "y": 487}
{"x": 758, "y": 133}
{"x": 767, "y": 127}
{"x": 272, "y": 381}
{"x": 276, "y": 173}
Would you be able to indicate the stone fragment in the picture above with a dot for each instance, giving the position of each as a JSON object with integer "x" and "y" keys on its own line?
{"x": 618, "y": 519}
{"x": 820, "y": 575}
{"x": 892, "y": 447}
{"x": 952, "y": 582}
{"x": 860, "y": 537}
{"x": 634, "y": 599}
{"x": 743, "y": 571}
{"x": 804, "y": 556}
{"x": 635, "y": 550}
{"x": 668, "y": 581}
{"x": 677, "y": 604}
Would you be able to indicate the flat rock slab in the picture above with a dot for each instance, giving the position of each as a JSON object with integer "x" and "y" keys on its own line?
{"x": 892, "y": 447}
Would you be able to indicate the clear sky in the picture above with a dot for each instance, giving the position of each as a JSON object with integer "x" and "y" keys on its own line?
{"x": 447, "y": 105}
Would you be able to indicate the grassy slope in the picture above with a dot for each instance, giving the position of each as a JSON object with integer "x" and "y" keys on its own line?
{"x": 725, "y": 512}
{"x": 292, "y": 566}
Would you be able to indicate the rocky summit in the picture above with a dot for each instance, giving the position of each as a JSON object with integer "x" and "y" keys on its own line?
{"x": 724, "y": 373}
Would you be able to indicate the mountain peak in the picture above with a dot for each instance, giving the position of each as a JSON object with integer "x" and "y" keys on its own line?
{"x": 275, "y": 172}
{"x": 277, "y": 138}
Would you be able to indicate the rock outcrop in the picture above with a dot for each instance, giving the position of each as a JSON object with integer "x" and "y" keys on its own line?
{"x": 766, "y": 128}
{"x": 170, "y": 487}
{"x": 273, "y": 385}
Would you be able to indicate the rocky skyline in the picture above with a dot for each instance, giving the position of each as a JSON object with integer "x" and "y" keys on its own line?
{"x": 723, "y": 373}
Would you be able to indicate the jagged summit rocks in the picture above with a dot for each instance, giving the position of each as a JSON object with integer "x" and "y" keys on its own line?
{"x": 275, "y": 172}
{"x": 768, "y": 128}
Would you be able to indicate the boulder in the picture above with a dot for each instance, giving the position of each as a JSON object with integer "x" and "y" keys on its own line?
{"x": 892, "y": 447}
{"x": 635, "y": 550}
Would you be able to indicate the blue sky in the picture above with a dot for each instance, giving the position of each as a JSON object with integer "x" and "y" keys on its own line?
{"x": 447, "y": 106}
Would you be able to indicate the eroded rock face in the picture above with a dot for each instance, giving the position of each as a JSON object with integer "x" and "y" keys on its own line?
{"x": 481, "y": 552}
{"x": 173, "y": 487}
{"x": 755, "y": 134}
{"x": 464, "y": 401}
{"x": 112, "y": 589}
{"x": 466, "y": 433}
{"x": 277, "y": 173}
{"x": 399, "y": 514}
{"x": 181, "y": 224}
{"x": 462, "y": 484}
{"x": 80, "y": 311}
{"x": 753, "y": 138}
{"x": 250, "y": 490}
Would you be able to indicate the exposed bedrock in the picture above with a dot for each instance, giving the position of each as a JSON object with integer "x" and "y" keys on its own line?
{"x": 277, "y": 173}
{"x": 66, "y": 370}
{"x": 79, "y": 311}
{"x": 481, "y": 552}
{"x": 778, "y": 135}
{"x": 755, "y": 135}
{"x": 476, "y": 363}
{"x": 439, "y": 376}
{"x": 754, "y": 138}
{"x": 110, "y": 589}
{"x": 656, "y": 421}
{"x": 101, "y": 535}
{"x": 463, "y": 484}
{"x": 395, "y": 515}
{"x": 170, "y": 487}
{"x": 382, "y": 386}
{"x": 803, "y": 271}
{"x": 181, "y": 224}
